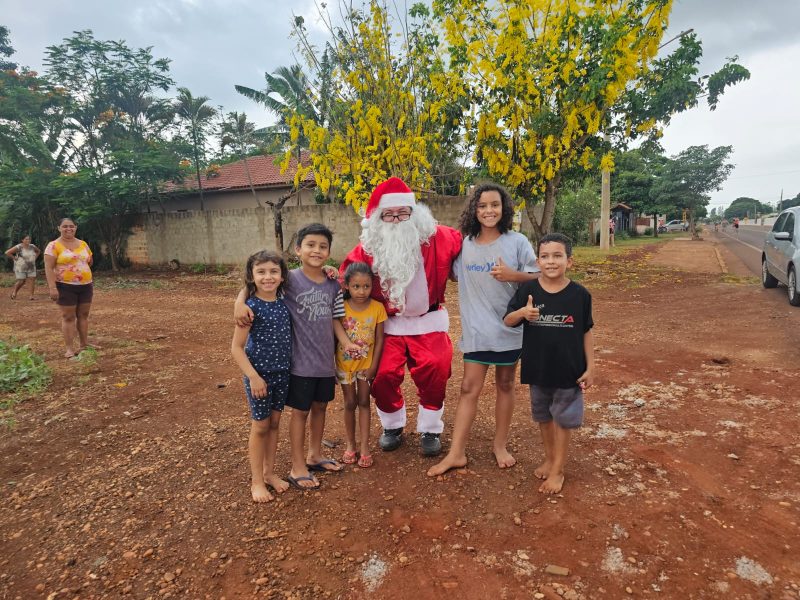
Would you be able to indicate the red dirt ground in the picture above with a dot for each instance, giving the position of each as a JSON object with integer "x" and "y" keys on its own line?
{"x": 129, "y": 477}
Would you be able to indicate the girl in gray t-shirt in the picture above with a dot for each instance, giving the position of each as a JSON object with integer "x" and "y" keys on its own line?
{"x": 494, "y": 260}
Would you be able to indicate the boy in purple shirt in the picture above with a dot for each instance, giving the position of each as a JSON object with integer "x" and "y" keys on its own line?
{"x": 315, "y": 304}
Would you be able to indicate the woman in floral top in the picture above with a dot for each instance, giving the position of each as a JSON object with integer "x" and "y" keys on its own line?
{"x": 67, "y": 265}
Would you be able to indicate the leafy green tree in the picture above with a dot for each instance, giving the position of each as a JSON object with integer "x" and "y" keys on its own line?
{"x": 635, "y": 174}
{"x": 746, "y": 207}
{"x": 114, "y": 141}
{"x": 577, "y": 206}
{"x": 197, "y": 116}
{"x": 6, "y": 51}
{"x": 686, "y": 180}
{"x": 790, "y": 202}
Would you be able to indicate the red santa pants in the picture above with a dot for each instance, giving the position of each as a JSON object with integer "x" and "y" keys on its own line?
{"x": 429, "y": 357}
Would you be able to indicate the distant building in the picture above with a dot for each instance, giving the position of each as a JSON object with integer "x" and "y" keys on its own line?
{"x": 228, "y": 186}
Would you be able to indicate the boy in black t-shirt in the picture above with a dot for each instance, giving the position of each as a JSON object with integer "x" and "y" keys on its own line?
{"x": 557, "y": 352}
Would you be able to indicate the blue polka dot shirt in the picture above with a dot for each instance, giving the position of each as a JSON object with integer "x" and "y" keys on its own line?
{"x": 269, "y": 345}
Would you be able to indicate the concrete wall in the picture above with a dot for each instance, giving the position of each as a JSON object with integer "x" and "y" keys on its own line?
{"x": 231, "y": 199}
{"x": 229, "y": 236}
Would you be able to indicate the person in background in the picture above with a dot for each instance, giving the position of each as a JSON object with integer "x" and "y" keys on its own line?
{"x": 24, "y": 256}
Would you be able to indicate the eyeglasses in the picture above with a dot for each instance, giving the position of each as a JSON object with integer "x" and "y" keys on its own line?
{"x": 389, "y": 217}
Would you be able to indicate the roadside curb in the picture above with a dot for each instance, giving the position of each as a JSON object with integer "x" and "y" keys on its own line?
{"x": 723, "y": 267}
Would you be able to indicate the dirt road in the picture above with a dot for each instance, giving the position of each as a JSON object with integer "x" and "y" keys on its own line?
{"x": 128, "y": 477}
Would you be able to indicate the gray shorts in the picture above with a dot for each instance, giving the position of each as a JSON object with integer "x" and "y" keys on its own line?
{"x": 22, "y": 274}
{"x": 562, "y": 405}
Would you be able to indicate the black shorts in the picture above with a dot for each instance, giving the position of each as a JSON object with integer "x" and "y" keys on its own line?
{"x": 74, "y": 294}
{"x": 507, "y": 358}
{"x": 305, "y": 390}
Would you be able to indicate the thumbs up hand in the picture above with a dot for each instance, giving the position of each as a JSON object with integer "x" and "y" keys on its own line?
{"x": 501, "y": 271}
{"x": 529, "y": 311}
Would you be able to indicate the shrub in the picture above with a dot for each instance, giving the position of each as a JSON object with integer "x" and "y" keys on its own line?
{"x": 574, "y": 211}
{"x": 22, "y": 372}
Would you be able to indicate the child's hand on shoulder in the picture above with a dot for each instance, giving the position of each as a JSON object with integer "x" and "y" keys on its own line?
{"x": 258, "y": 387}
{"x": 330, "y": 271}
{"x": 242, "y": 315}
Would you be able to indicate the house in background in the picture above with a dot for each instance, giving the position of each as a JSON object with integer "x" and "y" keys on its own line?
{"x": 228, "y": 186}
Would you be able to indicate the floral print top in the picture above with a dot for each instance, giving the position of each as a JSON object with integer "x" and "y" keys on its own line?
{"x": 360, "y": 328}
{"x": 72, "y": 266}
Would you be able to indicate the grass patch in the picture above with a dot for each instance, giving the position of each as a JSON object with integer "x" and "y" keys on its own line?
{"x": 23, "y": 373}
{"x": 738, "y": 280}
{"x": 129, "y": 284}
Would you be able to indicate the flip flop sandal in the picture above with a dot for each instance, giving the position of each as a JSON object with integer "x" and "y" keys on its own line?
{"x": 320, "y": 466}
{"x": 349, "y": 457}
{"x": 295, "y": 482}
{"x": 365, "y": 461}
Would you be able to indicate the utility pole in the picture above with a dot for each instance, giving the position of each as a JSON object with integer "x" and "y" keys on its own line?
{"x": 780, "y": 203}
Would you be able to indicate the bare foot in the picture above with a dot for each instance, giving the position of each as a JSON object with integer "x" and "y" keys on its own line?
{"x": 89, "y": 347}
{"x": 504, "y": 458}
{"x": 277, "y": 484}
{"x": 261, "y": 493}
{"x": 447, "y": 463}
{"x": 543, "y": 470}
{"x": 553, "y": 484}
{"x": 69, "y": 354}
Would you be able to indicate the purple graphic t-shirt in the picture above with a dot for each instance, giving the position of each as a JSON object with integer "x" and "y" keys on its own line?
{"x": 313, "y": 306}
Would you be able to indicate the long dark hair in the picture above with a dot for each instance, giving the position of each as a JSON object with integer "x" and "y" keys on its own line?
{"x": 469, "y": 224}
{"x": 259, "y": 257}
{"x": 355, "y": 268}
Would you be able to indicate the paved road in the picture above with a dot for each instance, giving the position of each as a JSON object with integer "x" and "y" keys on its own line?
{"x": 746, "y": 245}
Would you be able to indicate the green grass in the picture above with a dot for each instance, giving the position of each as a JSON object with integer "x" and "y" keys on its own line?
{"x": 129, "y": 284}
{"x": 594, "y": 253}
{"x": 23, "y": 373}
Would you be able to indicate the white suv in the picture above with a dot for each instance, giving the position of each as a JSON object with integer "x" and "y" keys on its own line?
{"x": 780, "y": 260}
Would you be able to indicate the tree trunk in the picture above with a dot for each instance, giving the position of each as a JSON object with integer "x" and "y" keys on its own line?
{"x": 197, "y": 171}
{"x": 250, "y": 182}
{"x": 655, "y": 224}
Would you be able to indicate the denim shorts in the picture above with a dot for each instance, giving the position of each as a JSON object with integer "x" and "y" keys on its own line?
{"x": 562, "y": 405}
{"x": 277, "y": 392}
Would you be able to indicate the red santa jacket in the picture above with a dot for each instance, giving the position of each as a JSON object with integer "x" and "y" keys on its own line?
{"x": 438, "y": 254}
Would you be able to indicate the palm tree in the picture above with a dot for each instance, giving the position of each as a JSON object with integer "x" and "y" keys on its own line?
{"x": 287, "y": 92}
{"x": 197, "y": 115}
{"x": 241, "y": 135}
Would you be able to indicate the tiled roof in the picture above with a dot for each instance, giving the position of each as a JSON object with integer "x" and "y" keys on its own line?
{"x": 265, "y": 171}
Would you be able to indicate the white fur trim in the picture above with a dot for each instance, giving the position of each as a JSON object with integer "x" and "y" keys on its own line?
{"x": 430, "y": 421}
{"x": 437, "y": 320}
{"x": 396, "y": 200}
{"x": 394, "y": 420}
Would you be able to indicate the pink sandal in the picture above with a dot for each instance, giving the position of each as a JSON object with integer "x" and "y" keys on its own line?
{"x": 365, "y": 461}
{"x": 349, "y": 457}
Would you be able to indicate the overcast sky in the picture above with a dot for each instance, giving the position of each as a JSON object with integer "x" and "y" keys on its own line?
{"x": 215, "y": 44}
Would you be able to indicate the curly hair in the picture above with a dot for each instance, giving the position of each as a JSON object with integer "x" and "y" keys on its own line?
{"x": 469, "y": 224}
{"x": 263, "y": 256}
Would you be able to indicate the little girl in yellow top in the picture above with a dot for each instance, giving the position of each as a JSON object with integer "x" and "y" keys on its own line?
{"x": 363, "y": 323}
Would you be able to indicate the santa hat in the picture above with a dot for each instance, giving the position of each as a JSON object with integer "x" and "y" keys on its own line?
{"x": 392, "y": 193}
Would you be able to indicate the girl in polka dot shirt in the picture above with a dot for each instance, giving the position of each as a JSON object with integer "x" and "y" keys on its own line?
{"x": 263, "y": 351}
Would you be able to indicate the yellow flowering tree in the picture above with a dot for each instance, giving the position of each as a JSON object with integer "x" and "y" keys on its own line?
{"x": 381, "y": 112}
{"x": 543, "y": 77}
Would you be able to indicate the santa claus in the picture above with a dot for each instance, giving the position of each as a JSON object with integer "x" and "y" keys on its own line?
{"x": 411, "y": 257}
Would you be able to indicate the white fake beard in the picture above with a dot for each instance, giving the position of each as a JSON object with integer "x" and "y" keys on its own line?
{"x": 395, "y": 252}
